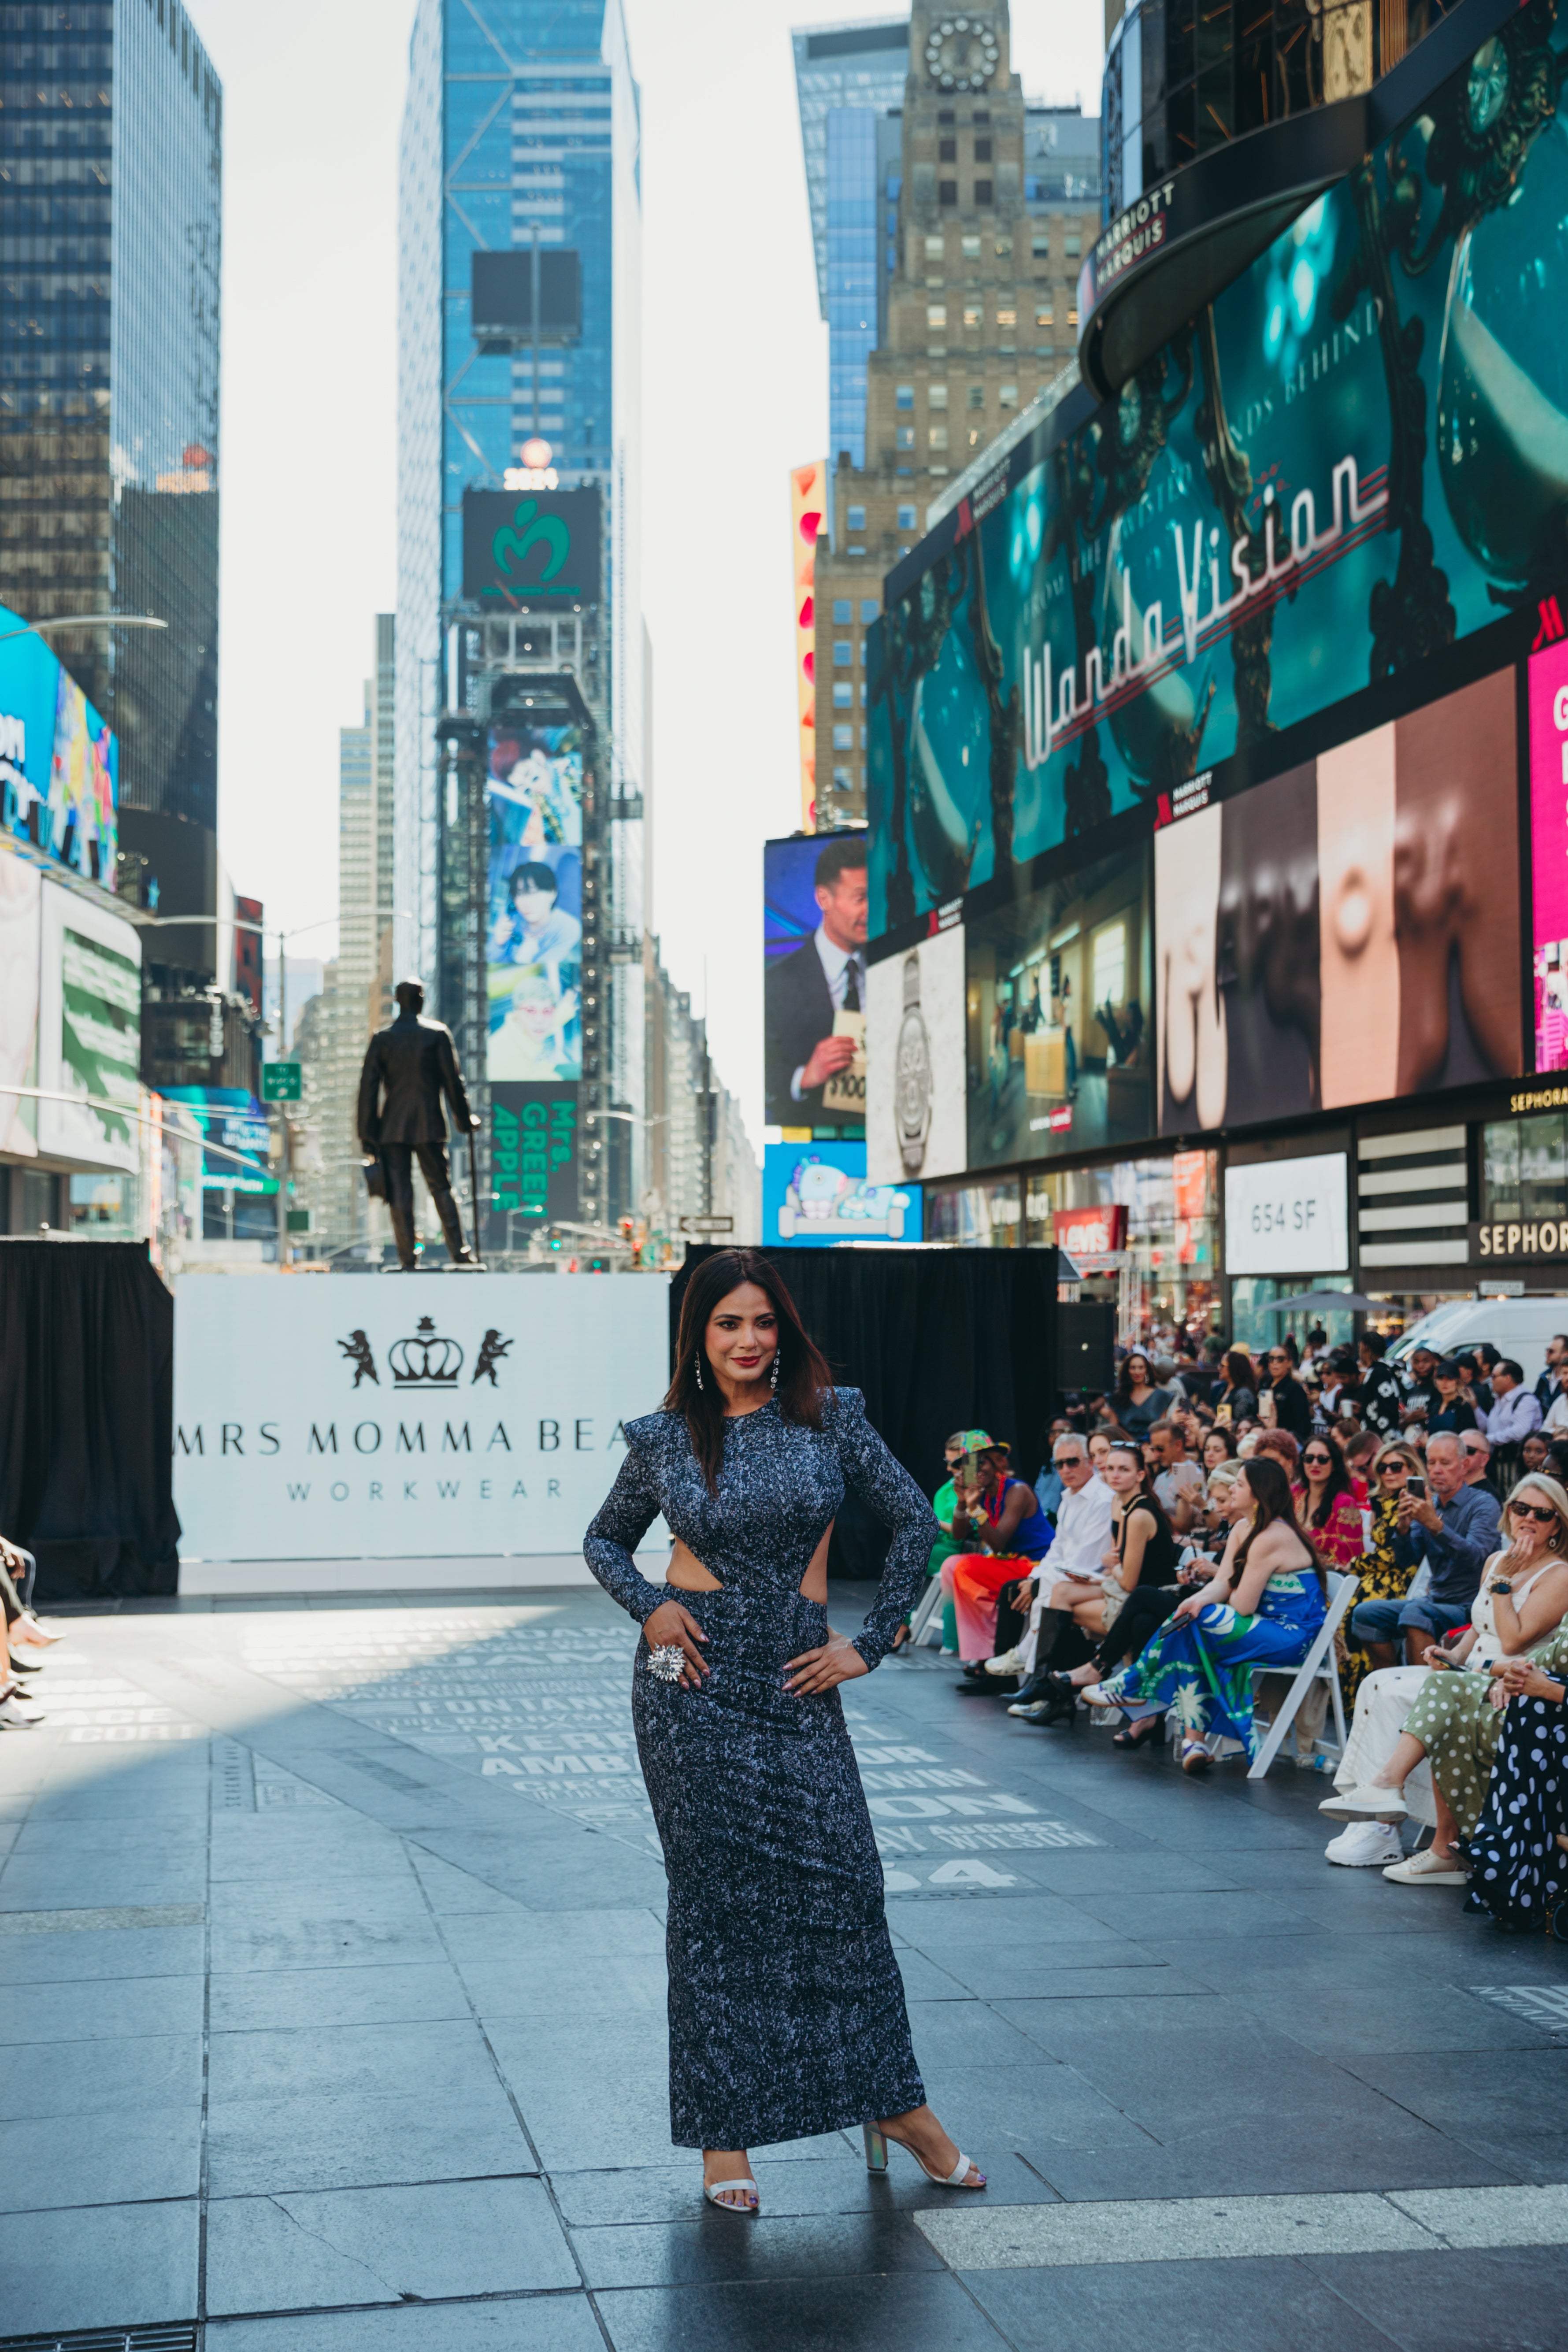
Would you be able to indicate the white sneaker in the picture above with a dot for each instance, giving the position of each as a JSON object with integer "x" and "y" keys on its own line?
{"x": 1365, "y": 1846}
{"x": 1429, "y": 1869}
{"x": 19, "y": 1712}
{"x": 1365, "y": 1804}
{"x": 1011, "y": 1662}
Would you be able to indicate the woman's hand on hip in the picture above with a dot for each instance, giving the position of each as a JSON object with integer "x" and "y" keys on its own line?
{"x": 671, "y": 1627}
{"x": 837, "y": 1661}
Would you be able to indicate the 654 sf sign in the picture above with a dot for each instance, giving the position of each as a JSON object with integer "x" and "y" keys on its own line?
{"x": 328, "y": 1420}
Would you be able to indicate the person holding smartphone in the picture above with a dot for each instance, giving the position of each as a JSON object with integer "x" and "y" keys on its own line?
{"x": 1443, "y": 1523}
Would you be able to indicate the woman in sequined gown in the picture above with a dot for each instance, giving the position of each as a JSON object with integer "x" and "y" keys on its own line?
{"x": 786, "y": 2008}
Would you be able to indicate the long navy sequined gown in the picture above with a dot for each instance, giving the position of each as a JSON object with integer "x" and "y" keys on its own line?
{"x": 786, "y": 2009}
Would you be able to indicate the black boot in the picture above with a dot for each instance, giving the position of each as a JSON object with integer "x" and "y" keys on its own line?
{"x": 1055, "y": 1701}
{"x": 451, "y": 1225}
{"x": 403, "y": 1235}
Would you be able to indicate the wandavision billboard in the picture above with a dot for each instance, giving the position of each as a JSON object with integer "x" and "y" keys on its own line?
{"x": 1355, "y": 457}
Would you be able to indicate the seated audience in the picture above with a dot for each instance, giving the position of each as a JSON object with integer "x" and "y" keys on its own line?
{"x": 1147, "y": 1607}
{"x": 1444, "y": 1710}
{"x": 1519, "y": 1851}
{"x": 1176, "y": 1480}
{"x": 1330, "y": 1511}
{"x": 1452, "y": 1531}
{"x": 1263, "y": 1606}
{"x": 1477, "y": 1453}
{"x": 1378, "y": 1393}
{"x": 1002, "y": 1531}
{"x": 1285, "y": 1448}
{"x": 1219, "y": 1445}
{"x": 1139, "y": 1401}
{"x": 1083, "y": 1528}
{"x": 1384, "y": 1577}
{"x": 1237, "y": 1395}
{"x": 1513, "y": 1412}
{"x": 1448, "y": 1409}
{"x": 1283, "y": 1404}
{"x": 1141, "y": 1552}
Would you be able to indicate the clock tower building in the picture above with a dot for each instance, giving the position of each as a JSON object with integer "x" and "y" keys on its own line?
{"x": 981, "y": 238}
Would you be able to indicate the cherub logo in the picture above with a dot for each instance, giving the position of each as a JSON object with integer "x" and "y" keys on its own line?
{"x": 492, "y": 1348}
{"x": 424, "y": 1360}
{"x": 356, "y": 1348}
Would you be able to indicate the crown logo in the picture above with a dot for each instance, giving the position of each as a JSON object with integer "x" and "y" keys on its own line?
{"x": 425, "y": 1359}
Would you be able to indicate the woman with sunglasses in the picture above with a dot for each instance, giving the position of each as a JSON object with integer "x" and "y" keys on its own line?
{"x": 1330, "y": 1512}
{"x": 1382, "y": 1577}
{"x": 1456, "y": 1718}
{"x": 1262, "y": 1607}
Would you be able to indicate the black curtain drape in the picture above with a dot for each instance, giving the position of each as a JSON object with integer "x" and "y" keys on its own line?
{"x": 938, "y": 1340}
{"x": 87, "y": 1417}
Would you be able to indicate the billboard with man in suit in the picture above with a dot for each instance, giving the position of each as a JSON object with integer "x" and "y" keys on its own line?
{"x": 814, "y": 989}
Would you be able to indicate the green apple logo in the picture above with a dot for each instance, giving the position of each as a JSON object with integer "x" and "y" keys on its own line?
{"x": 541, "y": 530}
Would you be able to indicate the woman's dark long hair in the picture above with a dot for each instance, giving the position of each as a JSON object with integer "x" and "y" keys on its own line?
{"x": 1145, "y": 1498}
{"x": 1338, "y": 1483}
{"x": 1272, "y": 1501}
{"x": 804, "y": 1377}
{"x": 1238, "y": 1369}
{"x": 1124, "y": 1377}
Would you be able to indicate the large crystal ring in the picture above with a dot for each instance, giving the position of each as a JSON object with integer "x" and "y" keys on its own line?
{"x": 667, "y": 1662}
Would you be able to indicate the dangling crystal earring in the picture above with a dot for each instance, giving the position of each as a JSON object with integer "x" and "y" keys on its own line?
{"x": 773, "y": 1375}
{"x": 697, "y": 1359}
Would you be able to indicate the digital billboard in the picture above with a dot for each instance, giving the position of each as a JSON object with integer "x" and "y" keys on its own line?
{"x": 814, "y": 981}
{"x": 21, "y": 921}
{"x": 817, "y": 1196}
{"x": 533, "y": 792}
{"x": 1350, "y": 460}
{"x": 533, "y": 1161}
{"x": 1059, "y": 1016}
{"x": 1548, "y": 852}
{"x": 538, "y": 548}
{"x": 90, "y": 1031}
{"x": 60, "y": 762}
{"x": 914, "y": 1068}
{"x": 1348, "y": 932}
{"x": 239, "y": 1128}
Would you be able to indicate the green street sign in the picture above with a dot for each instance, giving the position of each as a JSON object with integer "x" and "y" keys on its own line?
{"x": 281, "y": 1082}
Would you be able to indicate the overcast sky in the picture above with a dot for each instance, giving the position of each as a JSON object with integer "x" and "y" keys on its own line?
{"x": 736, "y": 392}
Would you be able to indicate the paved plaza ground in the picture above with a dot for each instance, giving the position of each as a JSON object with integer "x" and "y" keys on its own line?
{"x": 334, "y": 1955}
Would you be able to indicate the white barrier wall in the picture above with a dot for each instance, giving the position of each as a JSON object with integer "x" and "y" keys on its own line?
{"x": 357, "y": 1419}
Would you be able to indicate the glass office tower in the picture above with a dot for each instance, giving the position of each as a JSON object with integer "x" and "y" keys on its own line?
{"x": 111, "y": 186}
{"x": 520, "y": 138}
{"x": 848, "y": 77}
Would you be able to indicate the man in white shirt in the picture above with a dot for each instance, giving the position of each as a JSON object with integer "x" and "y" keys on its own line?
{"x": 1077, "y": 1558}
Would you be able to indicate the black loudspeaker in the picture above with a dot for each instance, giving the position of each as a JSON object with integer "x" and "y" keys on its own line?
{"x": 1086, "y": 1344}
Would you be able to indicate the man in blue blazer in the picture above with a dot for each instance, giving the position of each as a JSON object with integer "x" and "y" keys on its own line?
{"x": 804, "y": 992}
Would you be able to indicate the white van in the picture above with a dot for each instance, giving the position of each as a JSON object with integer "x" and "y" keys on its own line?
{"x": 1517, "y": 1327}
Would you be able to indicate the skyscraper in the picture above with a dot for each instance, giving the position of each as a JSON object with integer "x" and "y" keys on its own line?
{"x": 849, "y": 82}
{"x": 111, "y": 183}
{"x": 982, "y": 207}
{"x": 519, "y": 234}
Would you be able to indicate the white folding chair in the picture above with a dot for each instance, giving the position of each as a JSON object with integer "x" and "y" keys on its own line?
{"x": 1317, "y": 1667}
{"x": 925, "y": 1625}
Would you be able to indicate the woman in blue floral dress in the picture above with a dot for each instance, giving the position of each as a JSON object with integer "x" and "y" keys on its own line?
{"x": 1263, "y": 1606}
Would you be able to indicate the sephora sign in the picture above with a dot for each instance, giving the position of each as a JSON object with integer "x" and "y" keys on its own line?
{"x": 321, "y": 1419}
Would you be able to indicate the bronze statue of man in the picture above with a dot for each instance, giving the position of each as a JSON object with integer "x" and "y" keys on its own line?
{"x": 407, "y": 1069}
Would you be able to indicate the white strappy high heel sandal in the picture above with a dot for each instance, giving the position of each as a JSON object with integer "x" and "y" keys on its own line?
{"x": 714, "y": 2190}
{"x": 877, "y": 2161}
